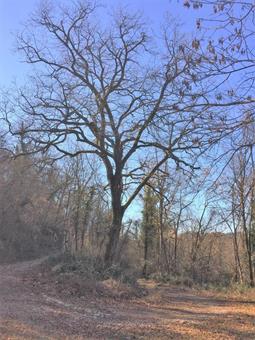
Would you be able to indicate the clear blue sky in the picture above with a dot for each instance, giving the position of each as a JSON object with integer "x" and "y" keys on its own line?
{"x": 14, "y": 12}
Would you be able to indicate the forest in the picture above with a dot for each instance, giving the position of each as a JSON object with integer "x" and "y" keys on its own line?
{"x": 127, "y": 163}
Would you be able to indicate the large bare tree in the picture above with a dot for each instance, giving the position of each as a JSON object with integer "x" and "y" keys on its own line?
{"x": 113, "y": 90}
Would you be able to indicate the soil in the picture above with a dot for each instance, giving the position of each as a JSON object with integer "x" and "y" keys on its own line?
{"x": 32, "y": 308}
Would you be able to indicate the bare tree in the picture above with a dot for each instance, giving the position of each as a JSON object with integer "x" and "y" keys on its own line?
{"x": 237, "y": 198}
{"x": 111, "y": 92}
{"x": 244, "y": 190}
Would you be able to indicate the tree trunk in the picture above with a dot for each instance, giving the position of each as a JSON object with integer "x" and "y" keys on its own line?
{"x": 145, "y": 269}
{"x": 239, "y": 271}
{"x": 117, "y": 216}
{"x": 162, "y": 240}
{"x": 175, "y": 249}
{"x": 252, "y": 283}
{"x": 113, "y": 238}
{"x": 86, "y": 218}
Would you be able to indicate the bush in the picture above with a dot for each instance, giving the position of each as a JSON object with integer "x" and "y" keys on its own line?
{"x": 85, "y": 275}
{"x": 91, "y": 268}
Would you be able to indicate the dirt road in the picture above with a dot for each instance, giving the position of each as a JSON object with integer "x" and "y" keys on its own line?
{"x": 27, "y": 312}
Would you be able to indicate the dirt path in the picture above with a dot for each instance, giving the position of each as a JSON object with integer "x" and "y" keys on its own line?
{"x": 166, "y": 313}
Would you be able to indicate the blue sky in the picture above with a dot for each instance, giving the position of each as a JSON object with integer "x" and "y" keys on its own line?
{"x": 14, "y": 12}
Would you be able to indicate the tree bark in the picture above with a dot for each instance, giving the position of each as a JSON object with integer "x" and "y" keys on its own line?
{"x": 162, "y": 240}
{"x": 117, "y": 217}
{"x": 113, "y": 237}
{"x": 239, "y": 271}
{"x": 252, "y": 283}
{"x": 145, "y": 269}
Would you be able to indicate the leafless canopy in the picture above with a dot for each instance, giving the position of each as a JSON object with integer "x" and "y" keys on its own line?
{"x": 113, "y": 90}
